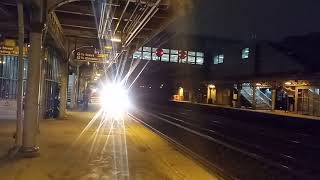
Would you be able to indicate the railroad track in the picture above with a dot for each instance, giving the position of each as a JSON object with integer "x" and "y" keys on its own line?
{"x": 290, "y": 166}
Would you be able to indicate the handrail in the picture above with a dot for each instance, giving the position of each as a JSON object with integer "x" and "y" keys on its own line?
{"x": 247, "y": 92}
{"x": 264, "y": 97}
{"x": 246, "y": 95}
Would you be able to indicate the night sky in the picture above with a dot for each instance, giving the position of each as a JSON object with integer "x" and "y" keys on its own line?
{"x": 239, "y": 19}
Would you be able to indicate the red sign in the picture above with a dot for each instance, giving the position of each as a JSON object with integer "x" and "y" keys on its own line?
{"x": 159, "y": 52}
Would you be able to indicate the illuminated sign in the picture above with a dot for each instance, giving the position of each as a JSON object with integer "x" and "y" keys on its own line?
{"x": 5, "y": 50}
{"x": 91, "y": 57}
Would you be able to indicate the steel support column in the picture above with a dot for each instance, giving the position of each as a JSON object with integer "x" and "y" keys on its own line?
{"x": 254, "y": 101}
{"x": 273, "y": 99}
{"x": 63, "y": 90}
{"x": 19, "y": 124}
{"x": 73, "y": 91}
{"x": 239, "y": 88}
{"x": 77, "y": 86}
{"x": 30, "y": 124}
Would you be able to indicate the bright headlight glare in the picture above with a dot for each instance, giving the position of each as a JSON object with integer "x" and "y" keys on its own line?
{"x": 115, "y": 99}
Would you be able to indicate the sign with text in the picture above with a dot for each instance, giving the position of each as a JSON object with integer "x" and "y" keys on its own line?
{"x": 90, "y": 57}
{"x": 5, "y": 50}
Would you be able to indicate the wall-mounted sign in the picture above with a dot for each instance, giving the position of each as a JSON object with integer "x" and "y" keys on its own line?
{"x": 5, "y": 50}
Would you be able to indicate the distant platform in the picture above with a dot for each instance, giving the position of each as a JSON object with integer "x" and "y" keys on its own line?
{"x": 276, "y": 112}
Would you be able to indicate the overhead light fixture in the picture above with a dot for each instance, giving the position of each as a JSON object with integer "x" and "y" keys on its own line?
{"x": 98, "y": 74}
{"x": 115, "y": 39}
{"x": 108, "y": 47}
{"x": 258, "y": 84}
{"x": 288, "y": 83}
{"x": 211, "y": 86}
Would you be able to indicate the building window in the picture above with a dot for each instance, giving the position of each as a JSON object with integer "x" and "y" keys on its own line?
{"x": 218, "y": 59}
{"x": 191, "y": 57}
{"x": 245, "y": 53}
{"x": 169, "y": 55}
{"x": 200, "y": 58}
{"x": 154, "y": 56}
{"x": 137, "y": 55}
{"x": 146, "y": 53}
{"x": 174, "y": 55}
{"x": 146, "y": 56}
{"x": 165, "y": 56}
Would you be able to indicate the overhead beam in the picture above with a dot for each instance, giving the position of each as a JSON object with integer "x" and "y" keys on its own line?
{"x": 74, "y": 12}
{"x": 82, "y": 36}
{"x": 76, "y": 32}
{"x": 78, "y": 26}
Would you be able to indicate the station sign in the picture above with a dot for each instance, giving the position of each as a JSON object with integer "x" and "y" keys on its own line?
{"x": 5, "y": 50}
{"x": 91, "y": 57}
{"x": 9, "y": 47}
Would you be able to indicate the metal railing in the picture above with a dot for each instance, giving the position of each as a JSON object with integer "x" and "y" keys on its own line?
{"x": 264, "y": 97}
{"x": 262, "y": 100}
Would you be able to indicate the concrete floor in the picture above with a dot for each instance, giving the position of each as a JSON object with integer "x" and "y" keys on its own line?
{"x": 133, "y": 152}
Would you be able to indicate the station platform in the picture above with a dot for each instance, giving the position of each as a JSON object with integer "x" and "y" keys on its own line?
{"x": 68, "y": 152}
{"x": 276, "y": 112}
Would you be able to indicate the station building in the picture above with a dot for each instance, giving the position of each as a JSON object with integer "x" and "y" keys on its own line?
{"x": 248, "y": 74}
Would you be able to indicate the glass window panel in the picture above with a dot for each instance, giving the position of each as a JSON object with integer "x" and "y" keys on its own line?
{"x": 191, "y": 59}
{"x": 137, "y": 55}
{"x": 154, "y": 49}
{"x": 221, "y": 57}
{"x": 174, "y": 58}
{"x": 15, "y": 66}
{"x": 148, "y": 49}
{"x": 166, "y": 51}
{"x": 174, "y": 51}
{"x": 183, "y": 60}
{"x": 165, "y": 58}
{"x": 146, "y": 56}
{"x": 155, "y": 57}
{"x": 140, "y": 49}
{"x": 199, "y": 60}
{"x": 245, "y": 53}
{"x": 191, "y": 53}
{"x": 25, "y": 69}
{"x": 5, "y": 66}
{"x": 216, "y": 60}
{"x": 201, "y": 54}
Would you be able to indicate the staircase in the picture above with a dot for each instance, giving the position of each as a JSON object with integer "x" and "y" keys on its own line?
{"x": 262, "y": 100}
{"x": 70, "y": 89}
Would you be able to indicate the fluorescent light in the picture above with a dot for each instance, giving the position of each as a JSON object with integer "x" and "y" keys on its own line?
{"x": 114, "y": 39}
{"x": 211, "y": 86}
{"x": 109, "y": 47}
{"x": 288, "y": 83}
